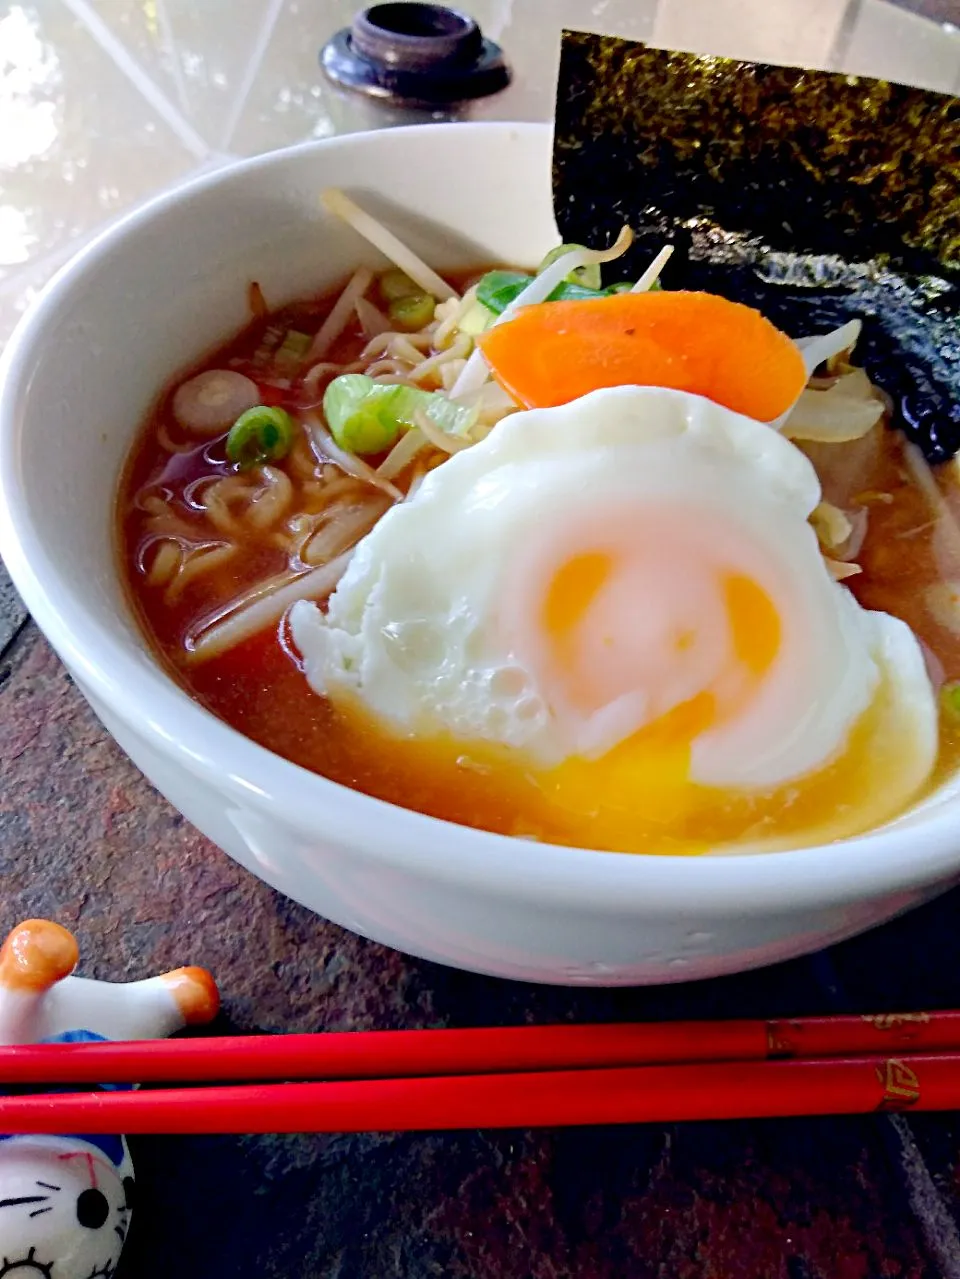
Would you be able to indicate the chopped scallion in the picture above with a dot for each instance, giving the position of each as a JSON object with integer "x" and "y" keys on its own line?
{"x": 409, "y": 307}
{"x": 397, "y": 284}
{"x": 366, "y": 417}
{"x": 272, "y": 337}
{"x": 497, "y": 289}
{"x": 413, "y": 312}
{"x": 292, "y": 352}
{"x": 588, "y": 277}
{"x": 477, "y": 319}
{"x": 262, "y": 434}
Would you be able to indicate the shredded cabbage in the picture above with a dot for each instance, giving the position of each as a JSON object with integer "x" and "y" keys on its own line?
{"x": 846, "y": 411}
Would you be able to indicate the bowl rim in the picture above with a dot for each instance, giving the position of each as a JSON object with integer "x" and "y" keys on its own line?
{"x": 502, "y": 866}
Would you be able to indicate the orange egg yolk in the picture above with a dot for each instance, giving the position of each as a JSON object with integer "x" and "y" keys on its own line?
{"x": 638, "y": 796}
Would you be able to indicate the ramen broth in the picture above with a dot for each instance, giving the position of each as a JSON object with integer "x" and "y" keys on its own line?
{"x": 260, "y": 531}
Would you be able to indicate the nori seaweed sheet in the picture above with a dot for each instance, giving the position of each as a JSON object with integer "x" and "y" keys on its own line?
{"x": 811, "y": 195}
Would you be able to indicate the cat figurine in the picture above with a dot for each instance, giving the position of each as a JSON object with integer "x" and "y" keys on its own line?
{"x": 66, "y": 1201}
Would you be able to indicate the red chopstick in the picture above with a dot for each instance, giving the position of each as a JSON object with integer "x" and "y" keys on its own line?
{"x": 719, "y": 1090}
{"x": 394, "y": 1053}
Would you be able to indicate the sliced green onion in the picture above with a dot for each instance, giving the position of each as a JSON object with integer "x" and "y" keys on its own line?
{"x": 586, "y": 276}
{"x": 293, "y": 350}
{"x": 477, "y": 319}
{"x": 367, "y": 417}
{"x": 444, "y": 413}
{"x": 272, "y": 337}
{"x": 950, "y": 699}
{"x": 397, "y": 284}
{"x": 261, "y": 434}
{"x": 497, "y": 289}
{"x": 413, "y": 312}
{"x": 357, "y": 416}
{"x": 410, "y": 307}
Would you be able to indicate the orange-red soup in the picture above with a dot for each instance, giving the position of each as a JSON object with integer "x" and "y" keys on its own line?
{"x": 258, "y": 687}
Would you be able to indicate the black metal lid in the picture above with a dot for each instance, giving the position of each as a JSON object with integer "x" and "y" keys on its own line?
{"x": 415, "y": 55}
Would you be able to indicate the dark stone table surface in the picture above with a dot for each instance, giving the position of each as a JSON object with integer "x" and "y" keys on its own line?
{"x": 84, "y": 839}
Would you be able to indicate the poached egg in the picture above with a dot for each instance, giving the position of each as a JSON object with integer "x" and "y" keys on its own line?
{"x": 622, "y": 599}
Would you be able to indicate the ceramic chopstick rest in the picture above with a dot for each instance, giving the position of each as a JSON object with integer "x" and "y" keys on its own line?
{"x": 65, "y": 1201}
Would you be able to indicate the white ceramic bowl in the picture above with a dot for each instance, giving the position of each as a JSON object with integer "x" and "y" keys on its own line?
{"x": 147, "y": 297}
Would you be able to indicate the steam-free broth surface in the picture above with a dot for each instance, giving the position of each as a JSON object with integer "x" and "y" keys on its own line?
{"x": 258, "y": 687}
{"x": 248, "y": 534}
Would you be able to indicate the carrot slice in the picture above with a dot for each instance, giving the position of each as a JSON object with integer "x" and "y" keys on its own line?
{"x": 555, "y": 352}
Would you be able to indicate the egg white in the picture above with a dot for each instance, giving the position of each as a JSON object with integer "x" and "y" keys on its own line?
{"x": 434, "y": 626}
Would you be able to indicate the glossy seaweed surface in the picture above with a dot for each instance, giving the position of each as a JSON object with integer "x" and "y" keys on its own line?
{"x": 811, "y": 195}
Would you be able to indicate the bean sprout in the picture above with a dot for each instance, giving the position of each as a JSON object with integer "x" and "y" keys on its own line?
{"x": 340, "y": 204}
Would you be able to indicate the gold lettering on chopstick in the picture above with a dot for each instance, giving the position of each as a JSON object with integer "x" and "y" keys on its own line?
{"x": 901, "y": 1087}
{"x": 781, "y": 1038}
{"x": 893, "y": 1021}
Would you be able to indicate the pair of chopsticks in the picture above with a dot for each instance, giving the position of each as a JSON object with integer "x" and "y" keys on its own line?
{"x": 515, "y": 1077}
